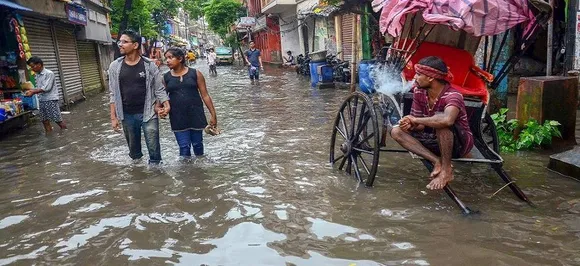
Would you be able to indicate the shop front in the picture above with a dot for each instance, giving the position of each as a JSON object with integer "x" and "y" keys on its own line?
{"x": 15, "y": 109}
{"x": 266, "y": 36}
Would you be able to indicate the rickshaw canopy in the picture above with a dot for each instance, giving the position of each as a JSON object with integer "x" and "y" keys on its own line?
{"x": 476, "y": 17}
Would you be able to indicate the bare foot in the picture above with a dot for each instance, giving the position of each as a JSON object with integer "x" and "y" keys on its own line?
{"x": 441, "y": 180}
{"x": 436, "y": 170}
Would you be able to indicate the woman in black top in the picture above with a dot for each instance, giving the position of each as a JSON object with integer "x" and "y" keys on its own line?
{"x": 187, "y": 94}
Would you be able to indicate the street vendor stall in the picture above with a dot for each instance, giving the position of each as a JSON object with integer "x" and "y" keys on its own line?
{"x": 15, "y": 109}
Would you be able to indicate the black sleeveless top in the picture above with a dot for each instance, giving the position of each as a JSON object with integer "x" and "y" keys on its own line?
{"x": 186, "y": 105}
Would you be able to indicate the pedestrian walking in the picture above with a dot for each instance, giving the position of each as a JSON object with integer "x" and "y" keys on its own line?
{"x": 47, "y": 91}
{"x": 155, "y": 53}
{"x": 211, "y": 61}
{"x": 187, "y": 92}
{"x": 135, "y": 86}
{"x": 254, "y": 60}
{"x": 190, "y": 57}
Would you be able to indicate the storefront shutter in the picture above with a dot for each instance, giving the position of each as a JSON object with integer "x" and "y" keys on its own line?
{"x": 69, "y": 60}
{"x": 347, "y": 37}
{"x": 39, "y": 34}
{"x": 89, "y": 62}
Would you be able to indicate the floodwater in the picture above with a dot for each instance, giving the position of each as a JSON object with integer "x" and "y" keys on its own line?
{"x": 264, "y": 195}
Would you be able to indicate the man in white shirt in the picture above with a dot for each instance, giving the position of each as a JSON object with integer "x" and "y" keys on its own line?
{"x": 211, "y": 61}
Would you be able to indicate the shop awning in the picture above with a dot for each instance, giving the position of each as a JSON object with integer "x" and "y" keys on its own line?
{"x": 9, "y": 4}
{"x": 477, "y": 17}
{"x": 318, "y": 10}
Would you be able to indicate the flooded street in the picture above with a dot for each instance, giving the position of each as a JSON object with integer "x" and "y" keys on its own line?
{"x": 265, "y": 194}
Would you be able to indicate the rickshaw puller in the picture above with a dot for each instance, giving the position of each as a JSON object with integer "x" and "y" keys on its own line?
{"x": 437, "y": 128}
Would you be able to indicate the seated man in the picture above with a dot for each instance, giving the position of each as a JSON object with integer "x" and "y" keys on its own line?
{"x": 289, "y": 60}
{"x": 437, "y": 128}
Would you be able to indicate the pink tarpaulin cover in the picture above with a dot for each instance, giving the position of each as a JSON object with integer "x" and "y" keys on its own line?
{"x": 477, "y": 17}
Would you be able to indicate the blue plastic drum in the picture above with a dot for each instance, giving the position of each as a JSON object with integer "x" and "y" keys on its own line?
{"x": 314, "y": 78}
{"x": 2, "y": 114}
{"x": 326, "y": 74}
{"x": 365, "y": 79}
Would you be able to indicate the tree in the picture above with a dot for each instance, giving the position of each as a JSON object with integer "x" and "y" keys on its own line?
{"x": 125, "y": 16}
{"x": 163, "y": 10}
{"x": 221, "y": 14}
{"x": 146, "y": 16}
{"x": 194, "y": 8}
{"x": 137, "y": 17}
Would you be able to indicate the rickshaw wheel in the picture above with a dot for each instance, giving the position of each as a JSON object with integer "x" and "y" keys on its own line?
{"x": 354, "y": 144}
{"x": 489, "y": 133}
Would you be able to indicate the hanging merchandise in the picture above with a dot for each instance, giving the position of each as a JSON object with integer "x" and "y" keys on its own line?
{"x": 14, "y": 74}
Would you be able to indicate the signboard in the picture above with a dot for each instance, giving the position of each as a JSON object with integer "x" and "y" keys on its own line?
{"x": 76, "y": 14}
{"x": 246, "y": 22}
{"x": 260, "y": 24}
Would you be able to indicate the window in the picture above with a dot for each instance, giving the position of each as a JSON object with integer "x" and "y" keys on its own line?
{"x": 92, "y": 15}
{"x": 102, "y": 19}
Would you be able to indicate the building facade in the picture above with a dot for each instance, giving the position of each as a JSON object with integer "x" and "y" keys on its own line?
{"x": 74, "y": 41}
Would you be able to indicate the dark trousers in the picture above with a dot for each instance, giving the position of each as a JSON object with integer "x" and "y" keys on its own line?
{"x": 132, "y": 126}
{"x": 187, "y": 139}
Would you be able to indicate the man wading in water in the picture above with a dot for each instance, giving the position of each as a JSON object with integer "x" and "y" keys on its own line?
{"x": 437, "y": 128}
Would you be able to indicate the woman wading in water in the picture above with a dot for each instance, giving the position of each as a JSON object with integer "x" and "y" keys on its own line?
{"x": 187, "y": 94}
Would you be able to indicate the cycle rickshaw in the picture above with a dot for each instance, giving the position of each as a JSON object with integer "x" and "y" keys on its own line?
{"x": 364, "y": 120}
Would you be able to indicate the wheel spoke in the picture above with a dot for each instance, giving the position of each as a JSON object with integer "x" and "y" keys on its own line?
{"x": 362, "y": 115}
{"x": 369, "y": 136}
{"x": 342, "y": 163}
{"x": 356, "y": 170}
{"x": 343, "y": 124}
{"x": 336, "y": 160}
{"x": 364, "y": 164}
{"x": 363, "y": 151}
{"x": 341, "y": 133}
{"x": 349, "y": 110}
{"x": 349, "y": 165}
{"x": 361, "y": 127}
{"x": 353, "y": 117}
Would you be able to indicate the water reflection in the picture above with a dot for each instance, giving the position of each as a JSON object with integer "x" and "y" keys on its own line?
{"x": 265, "y": 195}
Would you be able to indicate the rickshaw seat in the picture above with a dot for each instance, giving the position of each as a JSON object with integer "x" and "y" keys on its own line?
{"x": 468, "y": 79}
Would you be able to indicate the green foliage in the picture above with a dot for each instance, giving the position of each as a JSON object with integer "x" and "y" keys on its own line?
{"x": 221, "y": 14}
{"x": 533, "y": 134}
{"x": 149, "y": 16}
{"x": 231, "y": 40}
{"x": 194, "y": 8}
{"x": 161, "y": 10}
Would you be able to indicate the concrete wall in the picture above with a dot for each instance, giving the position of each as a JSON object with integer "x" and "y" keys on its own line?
{"x": 49, "y": 8}
{"x": 97, "y": 28}
{"x": 309, "y": 23}
{"x": 289, "y": 33}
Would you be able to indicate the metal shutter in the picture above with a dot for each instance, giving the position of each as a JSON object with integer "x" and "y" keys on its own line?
{"x": 69, "y": 60}
{"x": 347, "y": 37}
{"x": 41, "y": 44}
{"x": 89, "y": 62}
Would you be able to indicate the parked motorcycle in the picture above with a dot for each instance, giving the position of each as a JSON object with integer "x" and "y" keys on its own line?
{"x": 303, "y": 65}
{"x": 341, "y": 69}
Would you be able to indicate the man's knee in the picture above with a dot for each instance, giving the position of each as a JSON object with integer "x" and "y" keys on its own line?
{"x": 443, "y": 132}
{"x": 397, "y": 134}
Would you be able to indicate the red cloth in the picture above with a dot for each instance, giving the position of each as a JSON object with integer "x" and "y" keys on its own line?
{"x": 477, "y": 17}
{"x": 433, "y": 73}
